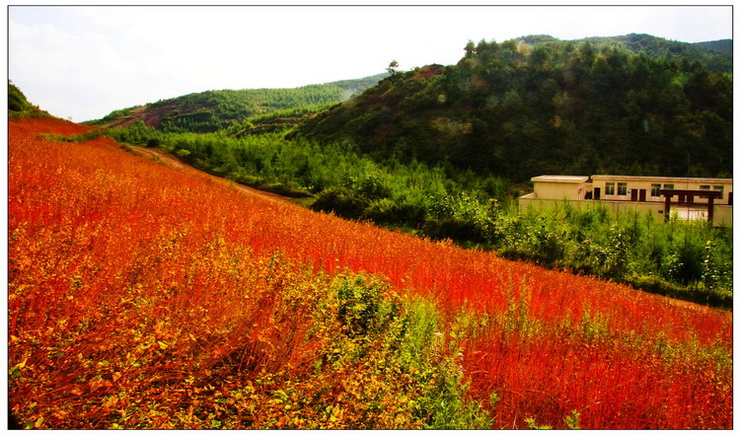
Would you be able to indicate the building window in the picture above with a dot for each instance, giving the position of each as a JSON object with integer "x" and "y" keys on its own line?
{"x": 721, "y": 190}
{"x": 655, "y": 190}
{"x": 609, "y": 188}
{"x": 621, "y": 189}
{"x": 668, "y": 186}
{"x": 704, "y": 188}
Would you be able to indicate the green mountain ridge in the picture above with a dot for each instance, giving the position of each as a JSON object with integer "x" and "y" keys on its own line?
{"x": 715, "y": 55}
{"x": 214, "y": 110}
{"x": 634, "y": 104}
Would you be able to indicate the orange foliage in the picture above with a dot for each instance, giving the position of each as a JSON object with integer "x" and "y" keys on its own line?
{"x": 147, "y": 275}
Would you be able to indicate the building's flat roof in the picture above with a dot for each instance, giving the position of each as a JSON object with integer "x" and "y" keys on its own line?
{"x": 560, "y": 179}
{"x": 663, "y": 179}
{"x": 581, "y": 179}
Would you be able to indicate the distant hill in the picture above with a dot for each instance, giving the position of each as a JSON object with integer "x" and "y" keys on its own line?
{"x": 211, "y": 111}
{"x": 633, "y": 104}
{"x": 723, "y": 46}
{"x": 715, "y": 55}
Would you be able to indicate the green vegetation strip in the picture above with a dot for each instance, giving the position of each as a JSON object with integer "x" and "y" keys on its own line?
{"x": 686, "y": 260}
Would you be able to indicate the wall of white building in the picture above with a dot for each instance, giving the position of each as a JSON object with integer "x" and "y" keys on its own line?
{"x": 622, "y": 187}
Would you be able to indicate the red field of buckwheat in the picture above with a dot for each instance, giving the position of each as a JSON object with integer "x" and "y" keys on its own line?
{"x": 143, "y": 295}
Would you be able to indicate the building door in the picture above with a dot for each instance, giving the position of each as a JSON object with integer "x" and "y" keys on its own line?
{"x": 643, "y": 194}
{"x": 597, "y": 194}
{"x": 633, "y": 195}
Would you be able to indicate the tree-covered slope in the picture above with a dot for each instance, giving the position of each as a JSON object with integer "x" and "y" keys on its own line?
{"x": 210, "y": 111}
{"x": 536, "y": 105}
{"x": 722, "y": 45}
{"x": 715, "y": 55}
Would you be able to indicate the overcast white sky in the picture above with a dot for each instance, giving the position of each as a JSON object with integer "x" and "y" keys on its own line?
{"x": 82, "y": 62}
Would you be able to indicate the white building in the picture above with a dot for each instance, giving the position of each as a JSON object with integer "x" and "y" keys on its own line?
{"x": 687, "y": 197}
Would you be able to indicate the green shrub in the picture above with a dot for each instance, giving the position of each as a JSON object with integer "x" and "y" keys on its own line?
{"x": 383, "y": 210}
{"x": 454, "y": 228}
{"x": 461, "y": 218}
{"x": 183, "y": 153}
{"x": 412, "y": 214}
{"x": 360, "y": 303}
{"x": 342, "y": 201}
{"x": 372, "y": 186}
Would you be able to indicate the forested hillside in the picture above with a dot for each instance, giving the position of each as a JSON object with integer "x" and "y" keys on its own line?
{"x": 238, "y": 110}
{"x": 536, "y": 105}
{"x": 715, "y": 55}
{"x": 723, "y": 46}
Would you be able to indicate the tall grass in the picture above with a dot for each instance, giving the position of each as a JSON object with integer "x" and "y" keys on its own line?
{"x": 147, "y": 296}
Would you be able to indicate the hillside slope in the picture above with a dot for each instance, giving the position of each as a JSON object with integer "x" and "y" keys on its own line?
{"x": 632, "y": 105}
{"x": 210, "y": 111}
{"x": 716, "y": 56}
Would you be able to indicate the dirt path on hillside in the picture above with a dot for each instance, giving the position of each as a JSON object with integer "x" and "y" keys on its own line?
{"x": 160, "y": 156}
{"x": 171, "y": 161}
